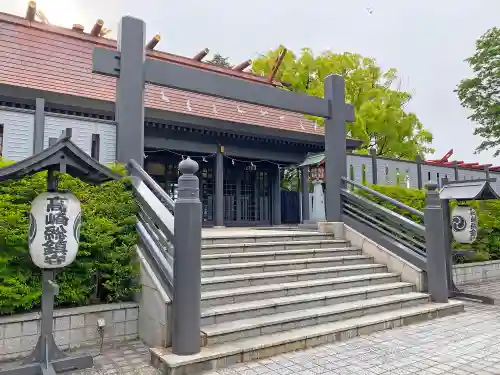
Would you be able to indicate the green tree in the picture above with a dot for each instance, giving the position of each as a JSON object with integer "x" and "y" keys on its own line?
{"x": 381, "y": 119}
{"x": 220, "y": 60}
{"x": 481, "y": 93}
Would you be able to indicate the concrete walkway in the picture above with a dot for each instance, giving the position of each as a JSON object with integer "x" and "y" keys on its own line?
{"x": 468, "y": 343}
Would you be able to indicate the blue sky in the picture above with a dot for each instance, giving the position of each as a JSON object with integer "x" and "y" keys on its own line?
{"x": 426, "y": 41}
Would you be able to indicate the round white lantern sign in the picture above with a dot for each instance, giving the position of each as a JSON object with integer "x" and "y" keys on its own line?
{"x": 464, "y": 224}
{"x": 54, "y": 230}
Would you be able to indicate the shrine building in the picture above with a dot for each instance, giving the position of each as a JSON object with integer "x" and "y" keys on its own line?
{"x": 47, "y": 87}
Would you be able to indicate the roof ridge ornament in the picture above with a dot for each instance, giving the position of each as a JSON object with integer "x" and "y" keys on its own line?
{"x": 164, "y": 97}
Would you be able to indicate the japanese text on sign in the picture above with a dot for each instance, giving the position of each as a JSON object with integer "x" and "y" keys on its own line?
{"x": 473, "y": 225}
{"x": 56, "y": 229}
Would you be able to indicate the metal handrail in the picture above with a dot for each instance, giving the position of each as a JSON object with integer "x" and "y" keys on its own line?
{"x": 384, "y": 197}
{"x": 160, "y": 239}
{"x": 156, "y": 234}
{"x": 398, "y": 233}
{"x": 155, "y": 224}
{"x": 154, "y": 208}
{"x": 410, "y": 238}
{"x": 395, "y": 217}
{"x": 408, "y": 233}
{"x": 160, "y": 263}
{"x": 136, "y": 170}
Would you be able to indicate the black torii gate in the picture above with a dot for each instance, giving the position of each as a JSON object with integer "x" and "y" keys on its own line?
{"x": 133, "y": 70}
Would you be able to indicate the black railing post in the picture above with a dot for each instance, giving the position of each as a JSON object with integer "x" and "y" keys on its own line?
{"x": 187, "y": 262}
{"x": 335, "y": 147}
{"x": 373, "y": 154}
{"x": 419, "y": 172}
{"x": 435, "y": 241}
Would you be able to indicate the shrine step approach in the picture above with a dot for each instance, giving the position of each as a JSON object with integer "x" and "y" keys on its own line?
{"x": 264, "y": 294}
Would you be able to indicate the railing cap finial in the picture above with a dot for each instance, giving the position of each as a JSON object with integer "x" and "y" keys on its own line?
{"x": 188, "y": 166}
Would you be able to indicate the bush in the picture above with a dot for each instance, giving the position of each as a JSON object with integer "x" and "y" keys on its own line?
{"x": 487, "y": 245}
{"x": 105, "y": 269}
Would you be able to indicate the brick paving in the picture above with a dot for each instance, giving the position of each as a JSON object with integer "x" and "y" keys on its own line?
{"x": 130, "y": 358}
{"x": 468, "y": 343}
{"x": 488, "y": 289}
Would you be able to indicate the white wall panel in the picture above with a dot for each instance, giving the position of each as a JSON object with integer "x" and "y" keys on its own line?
{"x": 18, "y": 130}
{"x": 361, "y": 168}
{"x": 82, "y": 135}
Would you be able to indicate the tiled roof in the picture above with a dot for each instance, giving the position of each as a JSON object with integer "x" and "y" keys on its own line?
{"x": 55, "y": 59}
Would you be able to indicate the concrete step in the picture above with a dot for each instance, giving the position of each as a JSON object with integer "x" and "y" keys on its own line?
{"x": 282, "y": 265}
{"x": 219, "y": 356}
{"x": 254, "y": 309}
{"x": 257, "y": 256}
{"x": 258, "y": 292}
{"x": 244, "y": 328}
{"x": 246, "y": 247}
{"x": 253, "y": 279}
{"x": 264, "y": 236}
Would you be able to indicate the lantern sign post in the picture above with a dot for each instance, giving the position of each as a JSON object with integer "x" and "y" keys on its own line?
{"x": 317, "y": 174}
{"x": 53, "y": 238}
{"x": 461, "y": 223}
{"x": 54, "y": 229}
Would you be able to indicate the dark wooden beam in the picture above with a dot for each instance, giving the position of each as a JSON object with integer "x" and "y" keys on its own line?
{"x": 96, "y": 29}
{"x": 201, "y": 55}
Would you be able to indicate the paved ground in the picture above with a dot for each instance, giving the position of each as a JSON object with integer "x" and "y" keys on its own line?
{"x": 467, "y": 343}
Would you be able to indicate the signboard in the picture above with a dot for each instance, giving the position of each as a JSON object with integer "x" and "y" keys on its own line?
{"x": 464, "y": 224}
{"x": 54, "y": 229}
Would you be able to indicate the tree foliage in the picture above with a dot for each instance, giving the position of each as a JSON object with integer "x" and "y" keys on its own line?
{"x": 381, "y": 119}
{"x": 220, "y": 60}
{"x": 481, "y": 93}
{"x": 105, "y": 268}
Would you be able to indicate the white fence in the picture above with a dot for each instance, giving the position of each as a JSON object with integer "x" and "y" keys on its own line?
{"x": 411, "y": 174}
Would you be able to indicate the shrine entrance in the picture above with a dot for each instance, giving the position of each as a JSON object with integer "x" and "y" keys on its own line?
{"x": 247, "y": 196}
{"x": 247, "y": 188}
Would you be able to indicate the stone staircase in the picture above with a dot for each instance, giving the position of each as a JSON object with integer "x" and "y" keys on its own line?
{"x": 271, "y": 293}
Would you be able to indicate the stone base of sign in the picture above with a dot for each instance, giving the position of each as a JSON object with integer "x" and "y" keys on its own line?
{"x": 335, "y": 228}
{"x": 73, "y": 328}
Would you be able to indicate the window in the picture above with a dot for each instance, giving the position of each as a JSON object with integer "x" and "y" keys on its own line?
{"x": 95, "y": 147}
{"x": 1, "y": 140}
